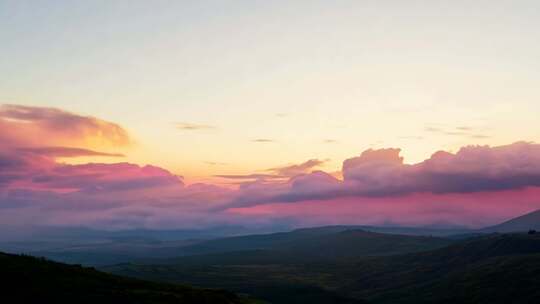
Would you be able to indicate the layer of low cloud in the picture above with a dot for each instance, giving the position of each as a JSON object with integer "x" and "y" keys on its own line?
{"x": 378, "y": 188}
{"x": 252, "y": 176}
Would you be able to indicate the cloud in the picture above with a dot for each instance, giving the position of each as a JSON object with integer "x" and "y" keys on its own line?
{"x": 248, "y": 176}
{"x": 480, "y": 136}
{"x": 26, "y": 126}
{"x": 26, "y": 164}
{"x": 263, "y": 140}
{"x": 411, "y": 137}
{"x": 383, "y": 173}
{"x": 278, "y": 174}
{"x": 34, "y": 171}
{"x": 471, "y": 169}
{"x": 214, "y": 163}
{"x": 297, "y": 169}
{"x": 186, "y": 126}
{"x": 66, "y": 152}
{"x": 376, "y": 187}
{"x": 457, "y": 131}
{"x": 473, "y": 210}
{"x": 92, "y": 178}
{"x": 36, "y": 188}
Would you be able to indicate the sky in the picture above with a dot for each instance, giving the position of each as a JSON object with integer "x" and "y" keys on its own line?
{"x": 193, "y": 113}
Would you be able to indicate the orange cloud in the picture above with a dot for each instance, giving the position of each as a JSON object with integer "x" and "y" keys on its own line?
{"x": 26, "y": 126}
{"x": 66, "y": 152}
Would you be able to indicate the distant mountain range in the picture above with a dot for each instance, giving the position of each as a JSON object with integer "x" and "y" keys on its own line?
{"x": 99, "y": 248}
{"x": 519, "y": 224}
{"x": 321, "y": 242}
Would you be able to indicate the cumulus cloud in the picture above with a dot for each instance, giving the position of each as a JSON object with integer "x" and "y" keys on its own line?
{"x": 30, "y": 126}
{"x": 383, "y": 173}
{"x": 27, "y": 164}
{"x": 471, "y": 169}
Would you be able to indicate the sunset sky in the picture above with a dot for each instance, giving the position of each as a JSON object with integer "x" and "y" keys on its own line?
{"x": 233, "y": 105}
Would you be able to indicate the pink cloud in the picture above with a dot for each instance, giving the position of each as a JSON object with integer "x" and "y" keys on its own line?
{"x": 471, "y": 169}
{"x": 382, "y": 173}
{"x": 23, "y": 170}
{"x": 25, "y": 126}
{"x": 37, "y": 189}
{"x": 477, "y": 185}
{"x": 473, "y": 210}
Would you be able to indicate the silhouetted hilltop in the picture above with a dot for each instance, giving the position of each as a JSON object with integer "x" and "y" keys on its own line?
{"x": 519, "y": 224}
{"x": 32, "y": 280}
{"x": 322, "y": 242}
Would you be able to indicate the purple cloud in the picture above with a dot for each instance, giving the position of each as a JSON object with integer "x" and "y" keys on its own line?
{"x": 382, "y": 173}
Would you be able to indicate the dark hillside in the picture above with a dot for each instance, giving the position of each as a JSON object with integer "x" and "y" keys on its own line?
{"x": 32, "y": 280}
{"x": 519, "y": 224}
{"x": 497, "y": 268}
{"x": 323, "y": 242}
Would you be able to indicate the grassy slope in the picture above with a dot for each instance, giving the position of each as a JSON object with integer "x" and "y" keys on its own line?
{"x": 323, "y": 242}
{"x": 473, "y": 271}
{"x": 489, "y": 269}
{"x": 32, "y": 280}
{"x": 519, "y": 224}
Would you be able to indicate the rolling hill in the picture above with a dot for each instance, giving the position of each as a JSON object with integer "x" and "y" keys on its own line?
{"x": 497, "y": 268}
{"x": 321, "y": 242}
{"x": 519, "y": 224}
{"x": 31, "y": 280}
